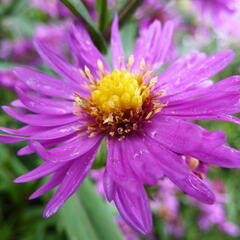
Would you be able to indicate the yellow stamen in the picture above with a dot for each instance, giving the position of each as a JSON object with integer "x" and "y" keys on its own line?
{"x": 118, "y": 92}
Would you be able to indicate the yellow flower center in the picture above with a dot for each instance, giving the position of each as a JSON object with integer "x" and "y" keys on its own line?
{"x": 119, "y": 101}
{"x": 119, "y": 92}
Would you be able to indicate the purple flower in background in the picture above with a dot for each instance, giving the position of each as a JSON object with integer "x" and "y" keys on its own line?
{"x": 54, "y": 35}
{"x": 19, "y": 51}
{"x": 216, "y": 214}
{"x": 128, "y": 232}
{"x": 222, "y": 15}
{"x": 166, "y": 204}
{"x": 7, "y": 79}
{"x": 52, "y": 7}
{"x": 152, "y": 10}
{"x": 142, "y": 115}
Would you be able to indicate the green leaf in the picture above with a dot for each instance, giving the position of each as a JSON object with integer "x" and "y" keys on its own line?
{"x": 75, "y": 220}
{"x": 87, "y": 216}
{"x": 79, "y": 10}
{"x": 103, "y": 14}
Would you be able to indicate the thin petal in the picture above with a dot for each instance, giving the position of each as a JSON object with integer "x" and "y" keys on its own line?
{"x": 179, "y": 173}
{"x": 134, "y": 208}
{"x": 43, "y": 170}
{"x": 194, "y": 74}
{"x": 109, "y": 186}
{"x": 142, "y": 163}
{"x": 118, "y": 167}
{"x": 47, "y": 85}
{"x": 45, "y": 105}
{"x": 40, "y": 119}
{"x": 25, "y": 131}
{"x": 69, "y": 151}
{"x": 116, "y": 46}
{"x": 55, "y": 180}
{"x": 11, "y": 139}
{"x": 84, "y": 50}
{"x": 58, "y": 63}
{"x": 153, "y": 45}
{"x": 46, "y": 143}
{"x": 192, "y": 140}
{"x": 73, "y": 179}
{"x": 58, "y": 132}
{"x": 218, "y": 99}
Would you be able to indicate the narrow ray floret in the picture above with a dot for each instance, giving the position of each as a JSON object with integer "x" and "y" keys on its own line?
{"x": 141, "y": 114}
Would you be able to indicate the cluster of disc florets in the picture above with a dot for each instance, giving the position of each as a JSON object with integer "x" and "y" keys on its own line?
{"x": 120, "y": 102}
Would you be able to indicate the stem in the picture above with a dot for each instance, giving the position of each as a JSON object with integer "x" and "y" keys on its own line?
{"x": 128, "y": 10}
{"x": 125, "y": 13}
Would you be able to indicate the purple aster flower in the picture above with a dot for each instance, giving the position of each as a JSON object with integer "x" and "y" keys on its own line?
{"x": 142, "y": 115}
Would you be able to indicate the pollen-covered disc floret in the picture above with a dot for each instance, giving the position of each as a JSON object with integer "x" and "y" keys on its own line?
{"x": 120, "y": 101}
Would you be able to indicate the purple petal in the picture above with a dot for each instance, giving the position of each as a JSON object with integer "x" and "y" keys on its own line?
{"x": 45, "y": 169}
{"x": 222, "y": 156}
{"x": 192, "y": 140}
{"x": 118, "y": 167}
{"x": 25, "y": 131}
{"x": 47, "y": 85}
{"x": 109, "y": 186}
{"x": 217, "y": 117}
{"x": 73, "y": 178}
{"x": 163, "y": 46}
{"x": 11, "y": 139}
{"x": 69, "y": 151}
{"x": 45, "y": 105}
{"x": 116, "y": 46}
{"x": 46, "y": 143}
{"x": 179, "y": 173}
{"x": 153, "y": 45}
{"x": 55, "y": 180}
{"x": 40, "y": 119}
{"x": 134, "y": 208}
{"x": 17, "y": 103}
{"x": 58, "y": 132}
{"x": 141, "y": 162}
{"x": 85, "y": 52}
{"x": 220, "y": 98}
{"x": 195, "y": 73}
{"x": 58, "y": 64}
{"x": 181, "y": 136}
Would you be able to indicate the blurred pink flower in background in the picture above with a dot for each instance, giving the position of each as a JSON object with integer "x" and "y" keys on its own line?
{"x": 21, "y": 51}
{"x": 216, "y": 214}
{"x": 222, "y": 15}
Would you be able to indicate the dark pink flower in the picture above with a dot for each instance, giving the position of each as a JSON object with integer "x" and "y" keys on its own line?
{"x": 144, "y": 117}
